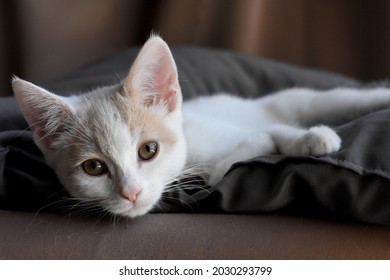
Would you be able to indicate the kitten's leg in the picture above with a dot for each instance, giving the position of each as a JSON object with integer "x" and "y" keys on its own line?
{"x": 315, "y": 141}
{"x": 307, "y": 106}
{"x": 259, "y": 144}
{"x": 288, "y": 140}
{"x": 284, "y": 139}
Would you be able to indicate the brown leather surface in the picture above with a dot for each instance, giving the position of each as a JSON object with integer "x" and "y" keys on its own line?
{"x": 188, "y": 236}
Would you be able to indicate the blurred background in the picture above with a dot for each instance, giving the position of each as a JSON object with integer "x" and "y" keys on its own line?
{"x": 42, "y": 40}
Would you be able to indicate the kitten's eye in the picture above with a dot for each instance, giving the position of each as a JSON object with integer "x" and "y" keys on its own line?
{"x": 148, "y": 150}
{"x": 94, "y": 167}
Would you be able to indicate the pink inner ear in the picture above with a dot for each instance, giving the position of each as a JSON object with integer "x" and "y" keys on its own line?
{"x": 48, "y": 122}
{"x": 167, "y": 87}
{"x": 153, "y": 76}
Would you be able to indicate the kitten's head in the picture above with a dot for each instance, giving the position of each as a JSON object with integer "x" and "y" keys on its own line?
{"x": 118, "y": 146}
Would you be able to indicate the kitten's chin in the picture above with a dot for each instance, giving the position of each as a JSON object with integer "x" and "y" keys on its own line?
{"x": 127, "y": 209}
{"x": 132, "y": 212}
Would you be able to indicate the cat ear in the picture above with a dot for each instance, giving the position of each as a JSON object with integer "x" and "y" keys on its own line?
{"x": 153, "y": 76}
{"x": 46, "y": 113}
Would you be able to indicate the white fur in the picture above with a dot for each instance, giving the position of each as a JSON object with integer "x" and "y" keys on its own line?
{"x": 205, "y": 135}
{"x": 222, "y": 129}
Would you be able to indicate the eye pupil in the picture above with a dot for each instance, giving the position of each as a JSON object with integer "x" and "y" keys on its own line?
{"x": 94, "y": 167}
{"x": 148, "y": 150}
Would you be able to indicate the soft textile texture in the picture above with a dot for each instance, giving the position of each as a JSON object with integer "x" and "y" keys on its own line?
{"x": 352, "y": 183}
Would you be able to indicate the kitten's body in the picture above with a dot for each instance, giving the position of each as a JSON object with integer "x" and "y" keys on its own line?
{"x": 223, "y": 129}
{"x": 120, "y": 146}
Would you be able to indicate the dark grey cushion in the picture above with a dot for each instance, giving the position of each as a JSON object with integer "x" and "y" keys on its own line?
{"x": 352, "y": 183}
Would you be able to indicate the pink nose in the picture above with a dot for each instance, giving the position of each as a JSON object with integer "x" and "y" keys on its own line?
{"x": 131, "y": 195}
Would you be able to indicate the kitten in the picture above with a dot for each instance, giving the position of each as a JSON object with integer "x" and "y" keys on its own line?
{"x": 120, "y": 146}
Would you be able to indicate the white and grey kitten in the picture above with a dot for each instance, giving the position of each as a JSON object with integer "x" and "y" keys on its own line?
{"x": 120, "y": 146}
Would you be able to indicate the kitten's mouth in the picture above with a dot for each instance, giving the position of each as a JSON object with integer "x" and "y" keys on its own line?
{"x": 123, "y": 206}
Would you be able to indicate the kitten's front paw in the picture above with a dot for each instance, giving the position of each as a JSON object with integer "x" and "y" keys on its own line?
{"x": 318, "y": 141}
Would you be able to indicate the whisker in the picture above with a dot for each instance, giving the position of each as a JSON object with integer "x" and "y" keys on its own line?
{"x": 161, "y": 208}
{"x": 103, "y": 214}
{"x": 82, "y": 206}
{"x": 181, "y": 201}
{"x": 187, "y": 188}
